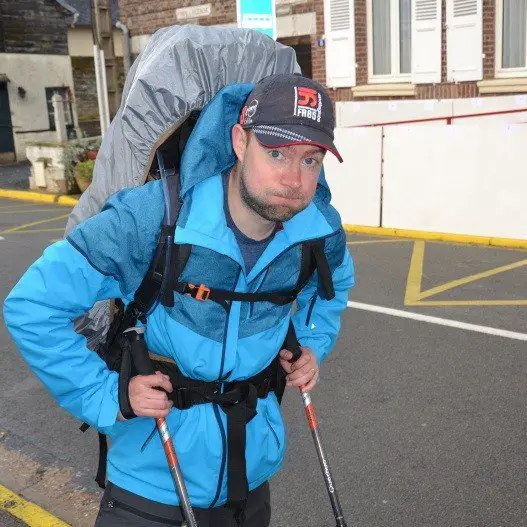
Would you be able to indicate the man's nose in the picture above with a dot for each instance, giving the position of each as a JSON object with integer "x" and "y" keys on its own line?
{"x": 292, "y": 177}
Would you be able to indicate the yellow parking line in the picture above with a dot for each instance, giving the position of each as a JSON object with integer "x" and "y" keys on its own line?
{"x": 41, "y": 230}
{"x": 362, "y": 242}
{"x": 415, "y": 274}
{"x": 469, "y": 279}
{"x": 459, "y": 303}
{"x": 414, "y": 296}
{"x": 28, "y": 512}
{"x": 25, "y": 210}
{"x": 34, "y": 223}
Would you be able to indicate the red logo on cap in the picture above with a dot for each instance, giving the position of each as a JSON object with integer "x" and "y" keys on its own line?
{"x": 307, "y": 97}
{"x": 308, "y": 103}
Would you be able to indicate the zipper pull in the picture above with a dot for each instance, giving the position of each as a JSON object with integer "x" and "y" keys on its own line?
{"x": 111, "y": 504}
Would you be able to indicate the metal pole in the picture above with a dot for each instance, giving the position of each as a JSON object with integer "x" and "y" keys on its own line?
{"x": 98, "y": 82}
{"x": 105, "y": 90}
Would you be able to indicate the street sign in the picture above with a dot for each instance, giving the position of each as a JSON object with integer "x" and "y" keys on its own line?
{"x": 257, "y": 14}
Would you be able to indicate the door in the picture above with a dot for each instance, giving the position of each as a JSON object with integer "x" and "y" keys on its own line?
{"x": 6, "y": 130}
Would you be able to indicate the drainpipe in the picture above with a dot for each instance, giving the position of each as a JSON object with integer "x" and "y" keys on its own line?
{"x": 127, "y": 53}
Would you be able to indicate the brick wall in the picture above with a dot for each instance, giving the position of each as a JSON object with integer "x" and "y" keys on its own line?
{"x": 33, "y": 26}
{"x": 146, "y": 17}
{"x": 423, "y": 91}
{"x": 86, "y": 92}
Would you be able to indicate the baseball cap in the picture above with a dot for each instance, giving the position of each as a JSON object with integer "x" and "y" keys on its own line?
{"x": 287, "y": 109}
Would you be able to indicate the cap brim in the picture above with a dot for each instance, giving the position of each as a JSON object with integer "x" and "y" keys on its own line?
{"x": 276, "y": 136}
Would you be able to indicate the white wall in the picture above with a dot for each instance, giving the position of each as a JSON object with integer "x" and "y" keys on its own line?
{"x": 457, "y": 179}
{"x": 80, "y": 42}
{"x": 357, "y": 113}
{"x": 356, "y": 183}
{"x": 34, "y": 73}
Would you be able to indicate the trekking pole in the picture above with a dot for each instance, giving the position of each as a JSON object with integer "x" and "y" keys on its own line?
{"x": 144, "y": 366}
{"x": 293, "y": 346}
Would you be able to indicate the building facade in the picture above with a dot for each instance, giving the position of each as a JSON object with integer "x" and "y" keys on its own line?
{"x": 80, "y": 48}
{"x": 380, "y": 49}
{"x": 34, "y": 64}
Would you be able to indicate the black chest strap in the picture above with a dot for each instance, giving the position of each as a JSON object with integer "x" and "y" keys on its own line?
{"x": 238, "y": 400}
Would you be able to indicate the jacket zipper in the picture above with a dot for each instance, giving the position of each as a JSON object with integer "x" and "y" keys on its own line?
{"x": 251, "y": 307}
{"x": 151, "y": 517}
{"x": 216, "y": 409}
{"x": 311, "y": 306}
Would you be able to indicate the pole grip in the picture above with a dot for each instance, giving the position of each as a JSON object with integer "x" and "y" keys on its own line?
{"x": 139, "y": 353}
{"x": 292, "y": 344}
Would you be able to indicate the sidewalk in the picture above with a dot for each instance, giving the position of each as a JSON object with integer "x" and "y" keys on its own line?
{"x": 15, "y": 176}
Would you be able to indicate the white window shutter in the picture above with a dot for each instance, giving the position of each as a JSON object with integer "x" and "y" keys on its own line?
{"x": 464, "y": 40}
{"x": 339, "y": 21}
{"x": 426, "y": 41}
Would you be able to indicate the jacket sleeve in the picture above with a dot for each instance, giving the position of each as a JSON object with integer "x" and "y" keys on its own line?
{"x": 63, "y": 284}
{"x": 317, "y": 321}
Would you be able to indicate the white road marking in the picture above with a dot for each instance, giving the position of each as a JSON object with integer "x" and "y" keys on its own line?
{"x": 441, "y": 321}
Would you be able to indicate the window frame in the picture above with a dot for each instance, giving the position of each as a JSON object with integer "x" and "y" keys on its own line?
{"x": 395, "y": 46}
{"x": 64, "y": 92}
{"x": 499, "y": 71}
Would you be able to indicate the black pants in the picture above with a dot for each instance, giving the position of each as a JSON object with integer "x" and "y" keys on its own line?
{"x": 122, "y": 508}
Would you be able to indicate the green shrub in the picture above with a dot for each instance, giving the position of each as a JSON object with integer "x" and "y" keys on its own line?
{"x": 84, "y": 170}
{"x": 75, "y": 151}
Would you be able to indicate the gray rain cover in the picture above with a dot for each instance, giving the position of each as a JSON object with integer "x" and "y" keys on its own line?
{"x": 180, "y": 70}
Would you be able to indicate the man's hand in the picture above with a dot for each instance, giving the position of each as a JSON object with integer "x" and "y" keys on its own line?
{"x": 304, "y": 372}
{"x": 145, "y": 400}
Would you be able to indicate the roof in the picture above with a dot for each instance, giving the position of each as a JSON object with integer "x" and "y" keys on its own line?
{"x": 84, "y": 9}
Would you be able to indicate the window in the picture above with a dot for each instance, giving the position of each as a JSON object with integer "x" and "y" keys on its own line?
{"x": 64, "y": 92}
{"x": 390, "y": 40}
{"x": 511, "y": 36}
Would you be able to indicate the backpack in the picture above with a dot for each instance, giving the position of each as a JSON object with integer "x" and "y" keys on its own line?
{"x": 134, "y": 149}
{"x": 162, "y": 280}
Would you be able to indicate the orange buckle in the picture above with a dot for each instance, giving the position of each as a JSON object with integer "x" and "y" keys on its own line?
{"x": 202, "y": 293}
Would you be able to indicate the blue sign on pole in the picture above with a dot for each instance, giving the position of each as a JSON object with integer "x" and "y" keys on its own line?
{"x": 257, "y": 14}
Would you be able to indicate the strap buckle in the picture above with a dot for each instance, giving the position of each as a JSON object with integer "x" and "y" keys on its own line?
{"x": 201, "y": 292}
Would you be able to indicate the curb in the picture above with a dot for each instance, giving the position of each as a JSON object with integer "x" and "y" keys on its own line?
{"x": 38, "y": 197}
{"x": 510, "y": 243}
{"x": 28, "y": 512}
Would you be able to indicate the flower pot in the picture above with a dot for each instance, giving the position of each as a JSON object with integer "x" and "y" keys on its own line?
{"x": 82, "y": 183}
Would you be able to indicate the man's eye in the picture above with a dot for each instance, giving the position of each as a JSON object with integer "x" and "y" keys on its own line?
{"x": 275, "y": 154}
{"x": 311, "y": 161}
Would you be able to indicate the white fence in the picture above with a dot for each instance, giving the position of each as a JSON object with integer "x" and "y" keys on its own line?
{"x": 463, "y": 179}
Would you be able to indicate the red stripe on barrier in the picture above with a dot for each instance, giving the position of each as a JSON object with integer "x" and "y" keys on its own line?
{"x": 447, "y": 118}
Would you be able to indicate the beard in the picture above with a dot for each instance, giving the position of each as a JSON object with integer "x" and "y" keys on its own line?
{"x": 258, "y": 204}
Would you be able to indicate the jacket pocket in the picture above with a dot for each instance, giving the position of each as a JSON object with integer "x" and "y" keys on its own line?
{"x": 275, "y": 435}
{"x": 265, "y": 441}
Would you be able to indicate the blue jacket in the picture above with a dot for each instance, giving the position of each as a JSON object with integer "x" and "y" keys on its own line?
{"x": 106, "y": 257}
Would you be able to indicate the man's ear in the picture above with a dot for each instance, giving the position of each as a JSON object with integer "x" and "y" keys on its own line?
{"x": 239, "y": 141}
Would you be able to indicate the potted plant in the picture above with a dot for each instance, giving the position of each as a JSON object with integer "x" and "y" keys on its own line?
{"x": 84, "y": 173}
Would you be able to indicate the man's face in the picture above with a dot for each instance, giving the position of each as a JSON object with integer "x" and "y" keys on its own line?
{"x": 278, "y": 183}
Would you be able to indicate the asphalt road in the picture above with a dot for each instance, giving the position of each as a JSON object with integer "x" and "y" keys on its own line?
{"x": 424, "y": 424}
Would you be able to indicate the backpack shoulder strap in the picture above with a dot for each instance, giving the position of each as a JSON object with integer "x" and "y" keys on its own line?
{"x": 314, "y": 259}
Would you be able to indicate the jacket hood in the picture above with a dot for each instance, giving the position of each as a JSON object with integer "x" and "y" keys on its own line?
{"x": 209, "y": 150}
